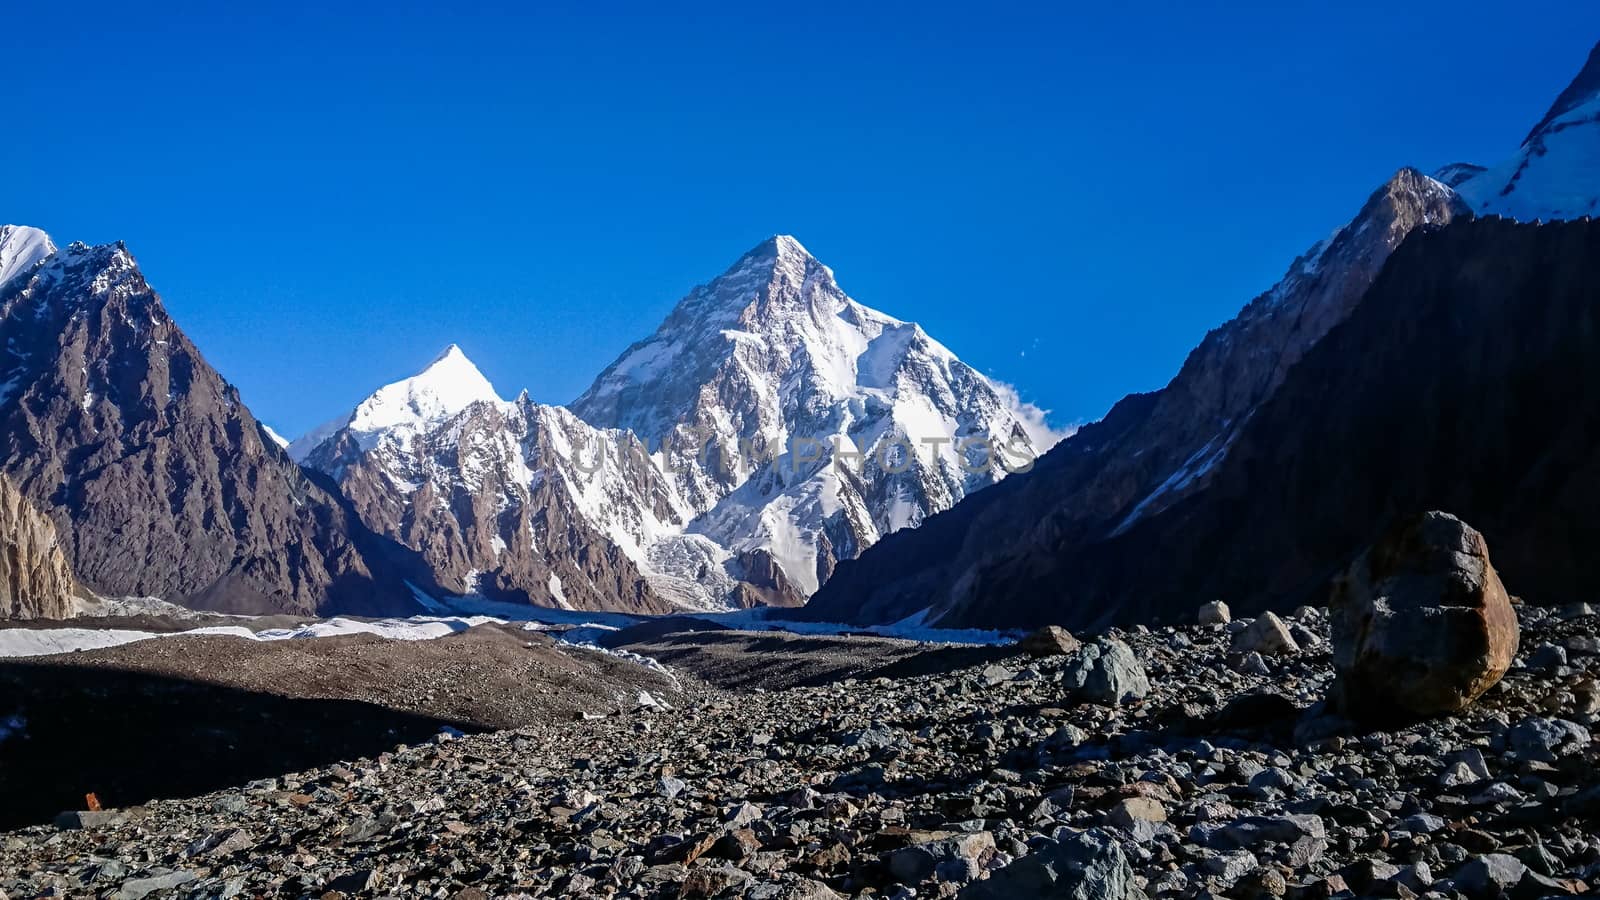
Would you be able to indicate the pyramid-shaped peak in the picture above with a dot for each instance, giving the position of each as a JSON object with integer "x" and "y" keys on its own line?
{"x": 451, "y": 357}
{"x": 448, "y": 385}
{"x": 788, "y": 245}
{"x": 778, "y": 250}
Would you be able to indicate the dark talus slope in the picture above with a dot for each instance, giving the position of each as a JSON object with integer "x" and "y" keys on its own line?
{"x": 35, "y": 581}
{"x": 158, "y": 479}
{"x": 1151, "y": 449}
{"x": 1468, "y": 379}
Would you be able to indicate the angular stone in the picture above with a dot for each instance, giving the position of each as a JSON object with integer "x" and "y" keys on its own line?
{"x": 1108, "y": 672}
{"x": 915, "y": 864}
{"x": 1485, "y": 877}
{"x": 1126, "y": 813}
{"x": 87, "y": 818}
{"x": 1084, "y": 866}
{"x": 135, "y": 888}
{"x": 1051, "y": 640}
{"x": 1267, "y": 635}
{"x": 1214, "y": 613}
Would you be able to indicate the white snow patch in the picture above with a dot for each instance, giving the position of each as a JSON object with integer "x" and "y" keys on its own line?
{"x": 15, "y": 642}
{"x": 556, "y": 593}
{"x": 1555, "y": 176}
{"x": 1196, "y": 466}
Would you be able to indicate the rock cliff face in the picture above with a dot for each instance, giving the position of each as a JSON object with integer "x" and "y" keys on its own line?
{"x": 157, "y": 478}
{"x": 35, "y": 581}
{"x": 1150, "y": 451}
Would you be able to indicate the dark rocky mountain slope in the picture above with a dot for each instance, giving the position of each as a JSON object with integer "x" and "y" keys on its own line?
{"x": 157, "y": 478}
{"x": 1468, "y": 379}
{"x": 1151, "y": 450}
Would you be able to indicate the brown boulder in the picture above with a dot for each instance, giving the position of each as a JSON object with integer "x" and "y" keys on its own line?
{"x": 1421, "y": 623}
{"x": 1051, "y": 640}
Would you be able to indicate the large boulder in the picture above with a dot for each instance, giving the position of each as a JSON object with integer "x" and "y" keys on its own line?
{"x": 1267, "y": 635}
{"x": 1421, "y": 623}
{"x": 1106, "y": 671}
{"x": 1087, "y": 865}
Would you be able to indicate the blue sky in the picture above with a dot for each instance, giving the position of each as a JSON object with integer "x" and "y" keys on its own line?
{"x": 1068, "y": 199}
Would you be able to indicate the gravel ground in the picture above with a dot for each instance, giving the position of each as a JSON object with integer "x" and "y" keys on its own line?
{"x": 1146, "y": 764}
{"x": 187, "y": 714}
{"x": 762, "y": 660}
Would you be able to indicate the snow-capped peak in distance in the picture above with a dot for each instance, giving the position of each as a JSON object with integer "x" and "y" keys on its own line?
{"x": 802, "y": 425}
{"x": 21, "y": 248}
{"x": 447, "y": 386}
{"x": 1556, "y": 173}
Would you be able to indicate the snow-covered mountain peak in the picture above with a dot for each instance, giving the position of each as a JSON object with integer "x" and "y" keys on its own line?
{"x": 448, "y": 385}
{"x": 21, "y": 248}
{"x": 1584, "y": 89}
{"x": 1456, "y": 173}
{"x": 766, "y": 388}
{"x": 775, "y": 279}
{"x": 1556, "y": 173}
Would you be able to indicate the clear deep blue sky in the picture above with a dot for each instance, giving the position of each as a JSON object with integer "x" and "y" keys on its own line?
{"x": 1068, "y": 199}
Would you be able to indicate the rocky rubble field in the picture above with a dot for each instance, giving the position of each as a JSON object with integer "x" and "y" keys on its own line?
{"x": 1179, "y": 762}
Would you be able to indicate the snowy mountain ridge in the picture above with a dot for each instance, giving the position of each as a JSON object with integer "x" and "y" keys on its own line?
{"x": 514, "y": 500}
{"x": 1552, "y": 176}
{"x": 771, "y": 426}
{"x": 802, "y": 425}
{"x": 445, "y": 387}
{"x": 22, "y": 248}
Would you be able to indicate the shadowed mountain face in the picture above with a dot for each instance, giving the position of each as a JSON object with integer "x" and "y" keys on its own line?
{"x": 1466, "y": 380}
{"x": 1150, "y": 451}
{"x": 157, "y": 478}
{"x": 1153, "y": 452}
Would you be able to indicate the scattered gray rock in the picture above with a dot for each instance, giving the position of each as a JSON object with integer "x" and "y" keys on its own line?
{"x": 926, "y": 785}
{"x": 1087, "y": 865}
{"x": 1489, "y": 876}
{"x": 1108, "y": 672}
{"x": 135, "y": 888}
